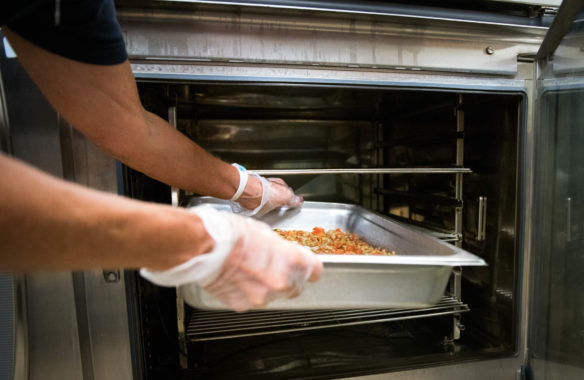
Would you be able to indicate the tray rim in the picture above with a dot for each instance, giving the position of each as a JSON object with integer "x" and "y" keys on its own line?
{"x": 459, "y": 257}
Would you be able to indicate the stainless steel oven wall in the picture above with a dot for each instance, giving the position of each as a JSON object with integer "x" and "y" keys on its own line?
{"x": 246, "y": 44}
{"x": 77, "y": 325}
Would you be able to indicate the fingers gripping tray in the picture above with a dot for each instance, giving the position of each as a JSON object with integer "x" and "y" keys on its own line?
{"x": 416, "y": 276}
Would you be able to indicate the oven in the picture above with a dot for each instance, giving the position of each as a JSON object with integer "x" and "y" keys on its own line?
{"x": 453, "y": 121}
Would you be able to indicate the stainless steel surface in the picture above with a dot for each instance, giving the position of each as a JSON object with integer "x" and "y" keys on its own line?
{"x": 101, "y": 304}
{"x": 568, "y": 57}
{"x": 546, "y": 3}
{"x": 458, "y": 186}
{"x": 315, "y": 38}
{"x": 568, "y": 219}
{"x": 415, "y": 277}
{"x": 363, "y": 171}
{"x": 215, "y": 325}
{"x": 556, "y": 371}
{"x": 22, "y": 339}
{"x": 180, "y": 305}
{"x": 54, "y": 351}
{"x": 8, "y": 343}
{"x": 556, "y": 339}
{"x": 482, "y": 219}
{"x": 174, "y": 191}
{"x": 527, "y": 192}
{"x": 181, "y": 71}
{"x": 562, "y": 24}
{"x": 500, "y": 369}
{"x": 456, "y": 291}
{"x": 5, "y": 144}
{"x": 412, "y": 9}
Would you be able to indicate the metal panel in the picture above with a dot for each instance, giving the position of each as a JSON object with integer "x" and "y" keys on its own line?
{"x": 54, "y": 351}
{"x": 172, "y": 71}
{"x": 495, "y": 13}
{"x": 7, "y": 327}
{"x": 503, "y": 369}
{"x": 99, "y": 295}
{"x": 5, "y": 145}
{"x": 556, "y": 340}
{"x": 206, "y": 34}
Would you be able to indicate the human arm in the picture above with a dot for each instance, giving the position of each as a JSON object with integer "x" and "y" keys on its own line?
{"x": 103, "y": 103}
{"x": 49, "y": 224}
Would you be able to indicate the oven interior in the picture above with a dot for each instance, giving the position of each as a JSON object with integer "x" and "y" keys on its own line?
{"x": 428, "y": 134}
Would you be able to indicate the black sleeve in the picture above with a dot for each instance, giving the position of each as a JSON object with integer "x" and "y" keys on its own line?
{"x": 83, "y": 30}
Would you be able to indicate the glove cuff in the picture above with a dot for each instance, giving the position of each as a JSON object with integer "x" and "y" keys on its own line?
{"x": 204, "y": 268}
{"x": 242, "y": 181}
{"x": 239, "y": 210}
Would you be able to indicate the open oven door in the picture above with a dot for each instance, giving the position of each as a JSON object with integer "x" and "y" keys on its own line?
{"x": 556, "y": 339}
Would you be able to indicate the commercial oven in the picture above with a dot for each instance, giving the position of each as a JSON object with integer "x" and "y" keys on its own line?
{"x": 460, "y": 120}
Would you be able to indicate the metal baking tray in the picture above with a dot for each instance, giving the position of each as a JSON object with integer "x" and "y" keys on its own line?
{"x": 415, "y": 277}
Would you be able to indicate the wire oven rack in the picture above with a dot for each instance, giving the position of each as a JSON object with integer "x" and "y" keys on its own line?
{"x": 207, "y": 325}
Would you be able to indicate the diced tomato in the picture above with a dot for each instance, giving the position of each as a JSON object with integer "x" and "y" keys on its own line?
{"x": 318, "y": 231}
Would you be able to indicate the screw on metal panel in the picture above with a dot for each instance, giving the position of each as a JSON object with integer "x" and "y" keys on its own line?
{"x": 489, "y": 50}
{"x": 111, "y": 276}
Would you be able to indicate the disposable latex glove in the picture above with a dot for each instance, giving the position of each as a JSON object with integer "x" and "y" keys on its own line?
{"x": 275, "y": 193}
{"x": 249, "y": 266}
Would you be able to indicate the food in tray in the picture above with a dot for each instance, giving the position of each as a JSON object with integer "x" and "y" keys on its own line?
{"x": 332, "y": 242}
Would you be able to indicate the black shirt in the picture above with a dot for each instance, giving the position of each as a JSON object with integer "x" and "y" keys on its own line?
{"x": 83, "y": 30}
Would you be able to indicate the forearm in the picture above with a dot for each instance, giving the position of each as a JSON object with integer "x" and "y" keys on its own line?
{"x": 49, "y": 224}
{"x": 103, "y": 103}
{"x": 158, "y": 150}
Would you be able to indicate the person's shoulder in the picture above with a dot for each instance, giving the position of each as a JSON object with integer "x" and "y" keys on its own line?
{"x": 83, "y": 30}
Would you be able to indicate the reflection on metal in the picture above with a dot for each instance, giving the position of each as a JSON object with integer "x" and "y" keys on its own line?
{"x": 280, "y": 37}
{"x": 21, "y": 329}
{"x": 482, "y": 219}
{"x": 215, "y": 325}
{"x": 83, "y": 328}
{"x": 412, "y": 10}
{"x": 364, "y": 171}
{"x": 174, "y": 191}
{"x": 569, "y": 55}
{"x": 8, "y": 343}
{"x": 562, "y": 24}
{"x": 568, "y": 219}
{"x": 180, "y": 305}
{"x": 456, "y": 292}
{"x": 5, "y": 145}
{"x": 459, "y": 163}
{"x": 180, "y": 70}
{"x": 100, "y": 299}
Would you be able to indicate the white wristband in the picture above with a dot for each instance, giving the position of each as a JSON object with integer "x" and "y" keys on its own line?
{"x": 242, "y": 181}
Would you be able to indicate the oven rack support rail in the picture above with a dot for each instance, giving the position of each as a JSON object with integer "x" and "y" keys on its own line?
{"x": 206, "y": 325}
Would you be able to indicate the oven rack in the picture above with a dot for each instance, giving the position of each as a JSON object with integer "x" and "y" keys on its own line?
{"x": 206, "y": 325}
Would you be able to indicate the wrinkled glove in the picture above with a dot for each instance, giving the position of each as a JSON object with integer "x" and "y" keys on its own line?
{"x": 249, "y": 266}
{"x": 275, "y": 193}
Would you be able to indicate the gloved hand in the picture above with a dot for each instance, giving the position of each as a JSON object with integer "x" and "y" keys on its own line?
{"x": 249, "y": 266}
{"x": 275, "y": 193}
